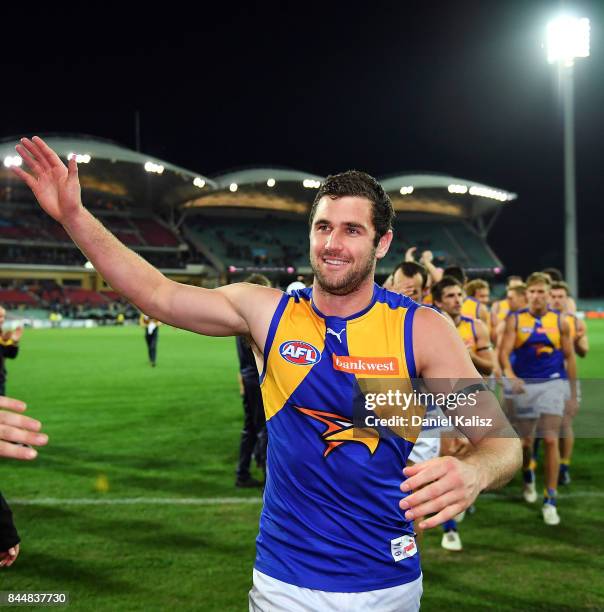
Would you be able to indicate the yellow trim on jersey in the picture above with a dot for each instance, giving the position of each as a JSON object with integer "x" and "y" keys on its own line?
{"x": 298, "y": 322}
{"x": 503, "y": 309}
{"x": 549, "y": 327}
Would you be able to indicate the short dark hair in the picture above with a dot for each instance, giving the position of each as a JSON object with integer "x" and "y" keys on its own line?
{"x": 561, "y": 285}
{"x": 442, "y": 284}
{"x": 457, "y": 272}
{"x": 361, "y": 184}
{"x": 554, "y": 274}
{"x": 410, "y": 269}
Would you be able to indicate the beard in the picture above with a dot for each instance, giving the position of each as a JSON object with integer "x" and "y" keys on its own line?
{"x": 347, "y": 283}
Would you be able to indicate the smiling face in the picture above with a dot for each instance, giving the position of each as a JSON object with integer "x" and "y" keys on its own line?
{"x": 342, "y": 251}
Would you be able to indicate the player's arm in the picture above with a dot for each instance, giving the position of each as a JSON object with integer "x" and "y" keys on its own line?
{"x": 571, "y": 365}
{"x": 214, "y": 312}
{"x": 494, "y": 321}
{"x": 482, "y": 357}
{"x": 445, "y": 486}
{"x": 581, "y": 341}
{"x": 426, "y": 260}
{"x": 507, "y": 346}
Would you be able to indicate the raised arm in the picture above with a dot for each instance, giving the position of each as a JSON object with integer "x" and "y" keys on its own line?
{"x": 214, "y": 312}
{"x": 448, "y": 485}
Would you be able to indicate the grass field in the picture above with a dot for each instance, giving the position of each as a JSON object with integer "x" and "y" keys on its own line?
{"x": 166, "y": 439}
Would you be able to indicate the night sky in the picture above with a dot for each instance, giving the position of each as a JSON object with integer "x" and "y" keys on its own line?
{"x": 461, "y": 88}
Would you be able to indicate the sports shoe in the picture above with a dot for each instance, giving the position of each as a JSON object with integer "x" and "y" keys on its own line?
{"x": 248, "y": 483}
{"x": 451, "y": 541}
{"x": 529, "y": 492}
{"x": 564, "y": 478}
{"x": 550, "y": 514}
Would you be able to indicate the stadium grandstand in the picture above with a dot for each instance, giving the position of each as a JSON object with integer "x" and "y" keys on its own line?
{"x": 209, "y": 231}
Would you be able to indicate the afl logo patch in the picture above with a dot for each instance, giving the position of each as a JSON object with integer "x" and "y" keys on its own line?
{"x": 299, "y": 353}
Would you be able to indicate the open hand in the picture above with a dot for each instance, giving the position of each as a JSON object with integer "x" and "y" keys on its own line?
{"x": 56, "y": 187}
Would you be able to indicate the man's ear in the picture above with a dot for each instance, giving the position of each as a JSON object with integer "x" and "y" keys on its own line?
{"x": 384, "y": 244}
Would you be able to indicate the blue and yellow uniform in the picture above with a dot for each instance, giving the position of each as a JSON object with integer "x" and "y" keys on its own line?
{"x": 503, "y": 309}
{"x": 537, "y": 350}
{"x": 467, "y": 332}
{"x": 331, "y": 519}
{"x": 471, "y": 308}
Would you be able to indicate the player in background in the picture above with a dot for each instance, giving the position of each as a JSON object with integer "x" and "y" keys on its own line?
{"x": 253, "y": 435}
{"x": 448, "y": 297}
{"x": 578, "y": 333}
{"x": 409, "y": 278}
{"x": 476, "y": 302}
{"x": 555, "y": 276}
{"x": 17, "y": 434}
{"x": 434, "y": 273}
{"x": 516, "y": 300}
{"x": 537, "y": 355}
{"x": 151, "y": 326}
{"x": 9, "y": 348}
{"x": 500, "y": 308}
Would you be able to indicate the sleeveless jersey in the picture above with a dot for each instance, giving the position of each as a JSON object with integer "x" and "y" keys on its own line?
{"x": 503, "y": 309}
{"x": 467, "y": 331}
{"x": 471, "y": 307}
{"x": 331, "y": 519}
{"x": 537, "y": 349}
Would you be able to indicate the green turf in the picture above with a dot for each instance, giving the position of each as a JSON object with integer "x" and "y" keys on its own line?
{"x": 172, "y": 432}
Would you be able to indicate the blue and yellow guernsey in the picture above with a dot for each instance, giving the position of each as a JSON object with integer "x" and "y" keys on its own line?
{"x": 467, "y": 332}
{"x": 331, "y": 518}
{"x": 537, "y": 350}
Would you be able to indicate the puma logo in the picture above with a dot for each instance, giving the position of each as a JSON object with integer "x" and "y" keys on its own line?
{"x": 336, "y": 334}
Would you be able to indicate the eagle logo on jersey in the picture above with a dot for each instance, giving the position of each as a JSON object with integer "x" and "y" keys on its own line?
{"x": 299, "y": 352}
{"x": 543, "y": 349}
{"x": 341, "y": 429}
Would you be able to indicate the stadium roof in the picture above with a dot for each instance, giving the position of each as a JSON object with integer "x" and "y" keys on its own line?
{"x": 444, "y": 194}
{"x": 117, "y": 171}
{"x": 279, "y": 189}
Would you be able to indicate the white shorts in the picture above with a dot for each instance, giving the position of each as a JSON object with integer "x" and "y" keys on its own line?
{"x": 427, "y": 446}
{"x": 271, "y": 595}
{"x": 546, "y": 397}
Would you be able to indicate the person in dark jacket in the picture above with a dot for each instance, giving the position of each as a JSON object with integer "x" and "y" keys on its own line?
{"x": 16, "y": 433}
{"x": 9, "y": 348}
{"x": 253, "y": 435}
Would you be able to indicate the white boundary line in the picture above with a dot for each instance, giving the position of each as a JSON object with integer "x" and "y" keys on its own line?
{"x": 130, "y": 501}
{"x": 220, "y": 501}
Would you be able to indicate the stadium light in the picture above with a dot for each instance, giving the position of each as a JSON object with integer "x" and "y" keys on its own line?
{"x": 270, "y": 182}
{"x": 457, "y": 189}
{"x": 233, "y": 187}
{"x": 311, "y": 184}
{"x": 199, "y": 182}
{"x": 153, "y": 167}
{"x": 486, "y": 192}
{"x": 406, "y": 189}
{"x": 80, "y": 159}
{"x": 12, "y": 160}
{"x": 567, "y": 39}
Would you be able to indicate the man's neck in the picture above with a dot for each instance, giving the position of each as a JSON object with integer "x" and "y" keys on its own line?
{"x": 343, "y": 305}
{"x": 538, "y": 312}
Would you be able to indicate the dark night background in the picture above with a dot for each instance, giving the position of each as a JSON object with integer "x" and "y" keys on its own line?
{"x": 461, "y": 88}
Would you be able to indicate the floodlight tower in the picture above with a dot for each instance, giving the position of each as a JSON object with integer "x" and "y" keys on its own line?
{"x": 568, "y": 39}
